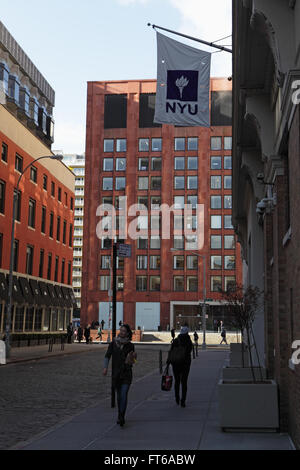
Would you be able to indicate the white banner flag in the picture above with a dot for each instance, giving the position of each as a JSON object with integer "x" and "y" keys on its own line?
{"x": 183, "y": 84}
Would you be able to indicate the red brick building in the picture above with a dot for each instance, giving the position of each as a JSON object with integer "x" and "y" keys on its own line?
{"x": 127, "y": 155}
{"x": 43, "y": 250}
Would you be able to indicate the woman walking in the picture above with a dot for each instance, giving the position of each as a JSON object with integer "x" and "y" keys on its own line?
{"x": 123, "y": 355}
{"x": 180, "y": 358}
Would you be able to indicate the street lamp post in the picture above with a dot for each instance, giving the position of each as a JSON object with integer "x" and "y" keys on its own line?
{"x": 204, "y": 295}
{"x": 12, "y": 239}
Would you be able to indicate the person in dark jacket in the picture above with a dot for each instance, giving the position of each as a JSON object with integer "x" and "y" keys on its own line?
{"x": 181, "y": 371}
{"x": 87, "y": 334}
{"x": 79, "y": 334}
{"x": 123, "y": 355}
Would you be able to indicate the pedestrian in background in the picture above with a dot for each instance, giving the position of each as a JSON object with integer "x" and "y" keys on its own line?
{"x": 173, "y": 334}
{"x": 99, "y": 333}
{"x": 180, "y": 358}
{"x": 123, "y": 355}
{"x": 79, "y": 334}
{"x": 87, "y": 333}
{"x": 102, "y": 324}
{"x": 223, "y": 334}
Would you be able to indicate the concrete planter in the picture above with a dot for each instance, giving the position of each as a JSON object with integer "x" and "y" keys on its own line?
{"x": 243, "y": 374}
{"x": 236, "y": 355}
{"x": 249, "y": 406}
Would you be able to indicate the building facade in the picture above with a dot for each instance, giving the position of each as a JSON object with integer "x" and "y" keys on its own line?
{"x": 43, "y": 300}
{"x": 154, "y": 166}
{"x": 266, "y": 177}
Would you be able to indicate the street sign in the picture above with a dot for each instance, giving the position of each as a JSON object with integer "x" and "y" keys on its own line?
{"x": 123, "y": 251}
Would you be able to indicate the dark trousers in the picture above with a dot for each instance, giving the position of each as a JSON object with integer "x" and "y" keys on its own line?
{"x": 122, "y": 394}
{"x": 181, "y": 375}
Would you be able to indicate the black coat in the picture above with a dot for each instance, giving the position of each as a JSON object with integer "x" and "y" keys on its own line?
{"x": 186, "y": 342}
{"x": 122, "y": 373}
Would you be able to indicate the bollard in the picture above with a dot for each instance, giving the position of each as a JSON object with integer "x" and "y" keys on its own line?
{"x": 51, "y": 342}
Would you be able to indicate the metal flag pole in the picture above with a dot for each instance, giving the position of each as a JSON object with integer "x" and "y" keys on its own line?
{"x": 211, "y": 44}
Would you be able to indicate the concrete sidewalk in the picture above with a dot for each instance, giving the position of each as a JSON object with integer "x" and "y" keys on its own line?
{"x": 155, "y": 422}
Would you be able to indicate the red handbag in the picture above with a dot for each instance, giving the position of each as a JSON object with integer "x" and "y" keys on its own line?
{"x": 166, "y": 381}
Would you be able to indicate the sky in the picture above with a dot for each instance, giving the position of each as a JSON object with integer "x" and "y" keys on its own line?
{"x": 72, "y": 42}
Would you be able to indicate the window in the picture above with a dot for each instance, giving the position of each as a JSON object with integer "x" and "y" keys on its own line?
{"x": 69, "y": 272}
{"x": 154, "y": 283}
{"x": 229, "y": 262}
{"x": 120, "y": 283}
{"x": 43, "y": 225}
{"x": 142, "y": 243}
{"x": 121, "y": 145}
{"x": 216, "y": 242}
{"x": 154, "y": 262}
{"x": 16, "y": 255}
{"x": 108, "y": 145}
{"x": 121, "y": 164}
{"x": 216, "y": 262}
{"x": 4, "y": 152}
{"x": 142, "y": 223}
{"x": 106, "y": 243}
{"x": 29, "y": 260}
{"x": 178, "y": 242}
{"x": 107, "y": 200}
{"x": 144, "y": 145}
{"x": 216, "y": 182}
{"x": 179, "y": 163}
{"x": 230, "y": 283}
{"x": 215, "y": 163}
{"x": 71, "y": 235}
{"x": 216, "y": 283}
{"x": 143, "y": 164}
{"x": 104, "y": 283}
{"x": 193, "y": 143}
{"x": 192, "y": 163}
{"x": 192, "y": 201}
{"x": 216, "y": 143}
{"x": 227, "y": 143}
{"x": 192, "y": 182}
{"x": 156, "y": 145}
{"x": 179, "y": 182}
{"x": 179, "y": 283}
{"x": 58, "y": 229}
{"x": 156, "y": 182}
{"x": 178, "y": 222}
{"x": 179, "y": 144}
{"x": 216, "y": 222}
{"x": 19, "y": 319}
{"x": 115, "y": 111}
{"x": 45, "y": 182}
{"x": 72, "y": 204}
{"x": 141, "y": 262}
{"x": 33, "y": 174}
{"x": 105, "y": 262}
{"x": 143, "y": 183}
{"x": 31, "y": 213}
{"x": 155, "y": 202}
{"x": 29, "y": 319}
{"x": 227, "y": 182}
{"x": 141, "y": 283}
{"x": 228, "y": 163}
{"x": 64, "y": 232}
{"x": 19, "y": 163}
{"x": 107, "y": 184}
{"x": 156, "y": 164}
{"x": 66, "y": 199}
{"x": 178, "y": 262}
{"x": 192, "y": 262}
{"x": 179, "y": 202}
{"x": 229, "y": 242}
{"x": 155, "y": 222}
{"x": 228, "y": 222}
{"x": 2, "y": 196}
{"x": 155, "y": 242}
{"x": 52, "y": 189}
{"x": 56, "y": 269}
{"x": 120, "y": 183}
{"x": 41, "y": 265}
{"x": 216, "y": 202}
{"x": 192, "y": 284}
{"x": 191, "y": 242}
{"x": 147, "y": 110}
{"x": 108, "y": 164}
{"x": 143, "y": 202}
{"x": 221, "y": 108}
{"x": 227, "y": 202}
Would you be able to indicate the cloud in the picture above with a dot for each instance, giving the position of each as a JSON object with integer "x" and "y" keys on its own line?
{"x": 208, "y": 21}
{"x": 131, "y": 2}
{"x": 69, "y": 136}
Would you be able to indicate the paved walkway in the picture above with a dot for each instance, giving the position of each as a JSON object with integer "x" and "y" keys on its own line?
{"x": 155, "y": 422}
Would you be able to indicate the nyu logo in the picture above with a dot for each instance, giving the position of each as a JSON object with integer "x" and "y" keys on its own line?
{"x": 182, "y": 85}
